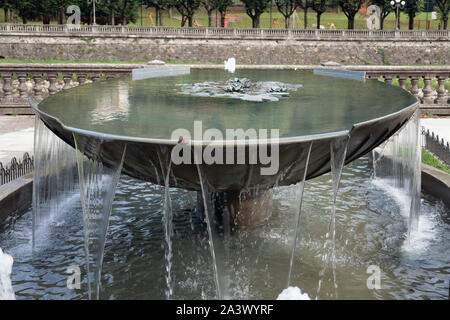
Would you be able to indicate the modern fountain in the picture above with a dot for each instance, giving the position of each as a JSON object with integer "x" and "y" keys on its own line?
{"x": 136, "y": 128}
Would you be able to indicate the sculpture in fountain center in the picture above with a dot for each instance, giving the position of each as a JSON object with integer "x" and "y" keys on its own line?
{"x": 241, "y": 88}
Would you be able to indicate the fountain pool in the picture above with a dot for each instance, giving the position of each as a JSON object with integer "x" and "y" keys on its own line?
{"x": 370, "y": 230}
{"x": 221, "y": 229}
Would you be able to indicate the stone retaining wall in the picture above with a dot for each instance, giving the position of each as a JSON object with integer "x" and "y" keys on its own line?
{"x": 249, "y": 51}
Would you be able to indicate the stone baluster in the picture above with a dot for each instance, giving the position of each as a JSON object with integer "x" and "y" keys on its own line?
{"x": 52, "y": 88}
{"x": 37, "y": 77}
{"x": 427, "y": 90}
{"x": 441, "y": 97}
{"x": 81, "y": 78}
{"x": 95, "y": 77}
{"x": 22, "y": 88}
{"x": 414, "y": 86}
{"x": 402, "y": 81}
{"x": 67, "y": 77}
{"x": 7, "y": 87}
{"x": 388, "y": 78}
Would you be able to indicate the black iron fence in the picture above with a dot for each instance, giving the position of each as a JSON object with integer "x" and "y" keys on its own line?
{"x": 436, "y": 145}
{"x": 16, "y": 169}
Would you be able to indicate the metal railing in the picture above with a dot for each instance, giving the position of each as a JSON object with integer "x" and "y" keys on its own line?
{"x": 203, "y": 32}
{"x": 16, "y": 169}
{"x": 436, "y": 145}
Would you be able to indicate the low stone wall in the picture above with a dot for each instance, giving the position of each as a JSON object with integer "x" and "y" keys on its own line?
{"x": 437, "y": 183}
{"x": 421, "y": 51}
{"x": 16, "y": 196}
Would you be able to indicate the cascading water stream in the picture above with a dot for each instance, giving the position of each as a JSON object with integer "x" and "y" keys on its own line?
{"x": 297, "y": 227}
{"x": 98, "y": 183}
{"x": 396, "y": 167}
{"x": 208, "y": 207}
{"x": 338, "y": 151}
{"x": 167, "y": 219}
{"x": 55, "y": 181}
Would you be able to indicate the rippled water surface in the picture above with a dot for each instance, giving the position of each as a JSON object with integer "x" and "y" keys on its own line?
{"x": 370, "y": 230}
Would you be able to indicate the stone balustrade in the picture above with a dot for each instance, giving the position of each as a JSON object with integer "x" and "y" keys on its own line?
{"x": 428, "y": 83}
{"x": 18, "y": 81}
{"x": 234, "y": 33}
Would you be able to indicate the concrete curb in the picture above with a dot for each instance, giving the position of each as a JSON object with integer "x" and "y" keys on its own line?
{"x": 437, "y": 183}
{"x": 16, "y": 196}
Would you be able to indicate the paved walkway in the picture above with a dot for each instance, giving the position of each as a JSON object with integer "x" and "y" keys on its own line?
{"x": 16, "y": 137}
{"x": 440, "y": 126}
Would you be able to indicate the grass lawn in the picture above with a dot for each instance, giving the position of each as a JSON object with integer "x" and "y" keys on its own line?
{"x": 431, "y": 160}
{"x": 237, "y": 18}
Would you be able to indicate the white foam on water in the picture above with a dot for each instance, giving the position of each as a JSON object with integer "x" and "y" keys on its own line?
{"x": 6, "y": 290}
{"x": 421, "y": 238}
{"x": 293, "y": 293}
{"x": 230, "y": 65}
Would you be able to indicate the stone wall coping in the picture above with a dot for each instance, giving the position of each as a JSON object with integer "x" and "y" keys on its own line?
{"x": 437, "y": 183}
{"x": 220, "y": 33}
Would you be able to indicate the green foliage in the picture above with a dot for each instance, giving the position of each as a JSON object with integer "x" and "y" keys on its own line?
{"x": 432, "y": 161}
{"x": 350, "y": 9}
{"x": 254, "y": 9}
{"x": 286, "y": 8}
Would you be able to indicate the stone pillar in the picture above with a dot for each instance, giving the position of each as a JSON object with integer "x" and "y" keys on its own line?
{"x": 427, "y": 91}
{"x": 67, "y": 77}
{"x": 402, "y": 81}
{"x": 81, "y": 77}
{"x": 95, "y": 77}
{"x": 23, "y": 89}
{"x": 414, "y": 87}
{"x": 7, "y": 88}
{"x": 441, "y": 97}
{"x": 388, "y": 78}
{"x": 52, "y": 89}
{"x": 37, "y": 77}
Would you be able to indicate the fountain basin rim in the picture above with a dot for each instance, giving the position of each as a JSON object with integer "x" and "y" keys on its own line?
{"x": 248, "y": 142}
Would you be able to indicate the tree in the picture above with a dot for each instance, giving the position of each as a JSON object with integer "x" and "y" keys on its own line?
{"x": 444, "y": 10}
{"x": 386, "y": 9}
{"x": 305, "y": 4}
{"x": 286, "y": 8}
{"x": 210, "y": 6}
{"x": 254, "y": 9}
{"x": 222, "y": 6}
{"x": 412, "y": 7}
{"x": 319, "y": 6}
{"x": 187, "y": 9}
{"x": 350, "y": 9}
{"x": 160, "y": 6}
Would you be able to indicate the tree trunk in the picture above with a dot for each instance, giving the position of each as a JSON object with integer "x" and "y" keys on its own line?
{"x": 411, "y": 22}
{"x": 170, "y": 13}
{"x": 382, "y": 23}
{"x": 210, "y": 18}
{"x": 124, "y": 19}
{"x": 24, "y": 20}
{"x": 222, "y": 19}
{"x": 318, "y": 20}
{"x": 445, "y": 22}
{"x": 156, "y": 16}
{"x": 15, "y": 18}
{"x": 183, "y": 20}
{"x": 286, "y": 22}
{"x": 160, "y": 17}
{"x": 351, "y": 23}
{"x": 46, "y": 20}
{"x": 255, "y": 20}
{"x": 305, "y": 16}
{"x": 61, "y": 16}
{"x": 113, "y": 17}
{"x": 190, "y": 21}
{"x": 5, "y": 10}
